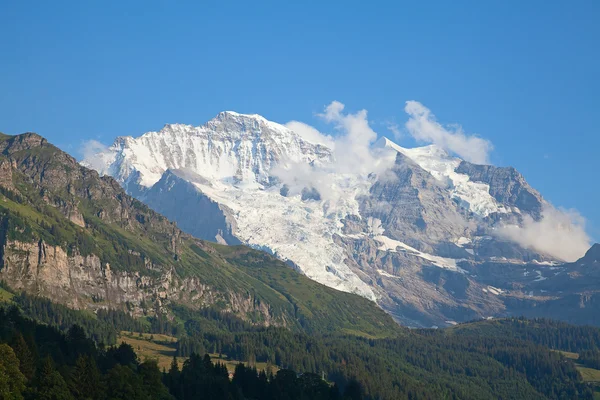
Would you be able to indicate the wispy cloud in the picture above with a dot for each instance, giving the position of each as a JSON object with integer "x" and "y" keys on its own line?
{"x": 311, "y": 134}
{"x": 559, "y": 233}
{"x": 91, "y": 151}
{"x": 353, "y": 155}
{"x": 423, "y": 126}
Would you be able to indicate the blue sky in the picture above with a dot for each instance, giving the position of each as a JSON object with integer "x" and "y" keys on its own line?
{"x": 523, "y": 75}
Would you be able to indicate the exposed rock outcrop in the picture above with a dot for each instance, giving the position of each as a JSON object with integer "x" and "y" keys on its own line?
{"x": 507, "y": 186}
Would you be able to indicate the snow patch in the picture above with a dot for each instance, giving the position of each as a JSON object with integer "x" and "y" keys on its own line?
{"x": 392, "y": 245}
{"x": 494, "y": 290}
{"x": 383, "y": 273}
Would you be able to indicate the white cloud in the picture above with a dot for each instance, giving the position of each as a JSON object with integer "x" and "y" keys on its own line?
{"x": 395, "y": 129}
{"x": 311, "y": 134}
{"x": 353, "y": 155}
{"x": 423, "y": 126}
{"x": 560, "y": 233}
{"x": 353, "y": 152}
{"x": 91, "y": 151}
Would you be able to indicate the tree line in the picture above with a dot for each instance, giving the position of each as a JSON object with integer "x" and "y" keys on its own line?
{"x": 40, "y": 362}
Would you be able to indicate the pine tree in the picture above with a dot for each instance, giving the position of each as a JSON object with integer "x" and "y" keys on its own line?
{"x": 26, "y": 359}
{"x": 86, "y": 380}
{"x": 50, "y": 383}
{"x": 173, "y": 378}
{"x": 12, "y": 380}
{"x": 151, "y": 379}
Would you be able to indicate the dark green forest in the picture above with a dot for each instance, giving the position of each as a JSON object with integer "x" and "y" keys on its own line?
{"x": 40, "y": 362}
{"x": 508, "y": 359}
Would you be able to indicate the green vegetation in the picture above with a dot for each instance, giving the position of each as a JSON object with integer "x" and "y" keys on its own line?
{"x": 149, "y": 347}
{"x": 163, "y": 349}
{"x": 39, "y": 362}
{"x": 421, "y": 364}
{"x": 552, "y": 334}
{"x": 589, "y": 374}
{"x": 5, "y": 295}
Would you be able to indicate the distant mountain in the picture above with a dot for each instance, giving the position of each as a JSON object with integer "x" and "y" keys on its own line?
{"x": 77, "y": 238}
{"x": 422, "y": 238}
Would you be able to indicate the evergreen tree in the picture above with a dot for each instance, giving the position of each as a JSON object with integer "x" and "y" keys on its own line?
{"x": 50, "y": 383}
{"x": 86, "y": 380}
{"x": 12, "y": 380}
{"x": 173, "y": 379}
{"x": 122, "y": 383}
{"x": 152, "y": 380}
{"x": 23, "y": 353}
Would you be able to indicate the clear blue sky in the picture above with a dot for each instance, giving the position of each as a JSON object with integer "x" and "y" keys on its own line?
{"x": 522, "y": 74}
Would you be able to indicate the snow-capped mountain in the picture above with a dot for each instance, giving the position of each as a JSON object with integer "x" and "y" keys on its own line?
{"x": 419, "y": 237}
{"x": 231, "y": 147}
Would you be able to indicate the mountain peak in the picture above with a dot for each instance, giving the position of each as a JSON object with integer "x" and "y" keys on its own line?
{"x": 231, "y": 146}
{"x": 234, "y": 114}
{"x": 25, "y": 141}
{"x": 592, "y": 255}
{"x": 231, "y": 121}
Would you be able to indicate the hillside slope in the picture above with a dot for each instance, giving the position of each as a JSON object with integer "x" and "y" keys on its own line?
{"x": 77, "y": 238}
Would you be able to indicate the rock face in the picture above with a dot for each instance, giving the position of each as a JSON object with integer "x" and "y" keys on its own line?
{"x": 414, "y": 207}
{"x": 174, "y": 197}
{"x": 86, "y": 283}
{"x": 231, "y": 146}
{"x": 591, "y": 257}
{"x": 507, "y": 186}
{"x": 420, "y": 238}
{"x": 77, "y": 238}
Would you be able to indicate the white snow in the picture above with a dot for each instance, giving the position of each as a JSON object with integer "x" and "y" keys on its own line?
{"x": 230, "y": 160}
{"x": 231, "y": 147}
{"x": 547, "y": 263}
{"x": 461, "y": 241}
{"x": 540, "y": 277}
{"x": 392, "y": 245}
{"x": 296, "y": 230}
{"x": 384, "y": 273}
{"x": 494, "y": 290}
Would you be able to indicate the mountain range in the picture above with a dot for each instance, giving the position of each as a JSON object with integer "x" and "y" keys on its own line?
{"x": 432, "y": 239}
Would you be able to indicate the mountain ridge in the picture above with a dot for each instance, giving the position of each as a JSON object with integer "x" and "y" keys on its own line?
{"x": 423, "y": 238}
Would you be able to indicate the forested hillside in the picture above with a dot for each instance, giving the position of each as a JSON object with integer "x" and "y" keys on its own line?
{"x": 428, "y": 364}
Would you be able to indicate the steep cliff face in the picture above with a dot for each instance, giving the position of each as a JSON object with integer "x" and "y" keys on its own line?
{"x": 87, "y": 283}
{"x": 232, "y": 146}
{"x": 414, "y": 207}
{"x": 77, "y": 238}
{"x": 173, "y": 196}
{"x": 506, "y": 185}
